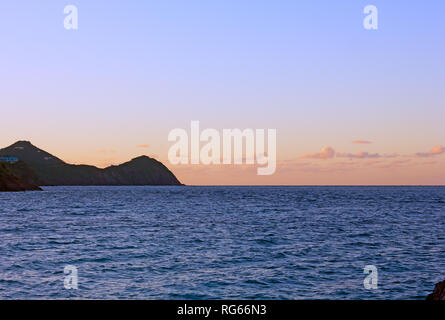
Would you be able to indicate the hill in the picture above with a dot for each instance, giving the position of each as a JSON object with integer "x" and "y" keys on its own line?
{"x": 48, "y": 170}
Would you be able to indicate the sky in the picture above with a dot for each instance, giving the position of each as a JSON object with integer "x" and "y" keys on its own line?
{"x": 351, "y": 106}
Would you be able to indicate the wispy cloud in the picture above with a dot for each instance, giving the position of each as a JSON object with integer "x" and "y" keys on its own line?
{"x": 325, "y": 153}
{"x": 362, "y": 142}
{"x": 142, "y": 146}
{"x": 394, "y": 164}
{"x": 330, "y": 153}
{"x": 358, "y": 155}
{"x": 437, "y": 150}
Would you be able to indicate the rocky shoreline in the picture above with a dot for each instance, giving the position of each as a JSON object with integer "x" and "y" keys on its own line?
{"x": 10, "y": 182}
{"x": 438, "y": 292}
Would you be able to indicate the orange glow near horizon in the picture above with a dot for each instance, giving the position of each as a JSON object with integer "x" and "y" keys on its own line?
{"x": 326, "y": 167}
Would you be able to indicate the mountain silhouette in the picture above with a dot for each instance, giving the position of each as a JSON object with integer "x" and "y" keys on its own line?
{"x": 46, "y": 169}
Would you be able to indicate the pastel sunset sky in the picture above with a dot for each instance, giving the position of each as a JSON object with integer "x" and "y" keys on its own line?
{"x": 351, "y": 106}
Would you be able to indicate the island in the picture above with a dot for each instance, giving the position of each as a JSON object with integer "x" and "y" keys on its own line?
{"x": 33, "y": 166}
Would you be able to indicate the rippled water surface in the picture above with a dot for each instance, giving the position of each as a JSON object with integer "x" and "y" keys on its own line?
{"x": 222, "y": 242}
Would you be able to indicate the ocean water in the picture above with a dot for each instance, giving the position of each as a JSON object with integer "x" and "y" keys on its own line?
{"x": 222, "y": 242}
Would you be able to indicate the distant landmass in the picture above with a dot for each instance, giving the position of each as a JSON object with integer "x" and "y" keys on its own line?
{"x": 40, "y": 168}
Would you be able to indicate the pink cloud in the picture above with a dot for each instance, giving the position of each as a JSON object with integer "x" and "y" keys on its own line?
{"x": 437, "y": 150}
{"x": 143, "y": 146}
{"x": 325, "y": 153}
{"x": 361, "y": 142}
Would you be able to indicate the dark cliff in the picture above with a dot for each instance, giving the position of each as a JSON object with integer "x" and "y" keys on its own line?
{"x": 11, "y": 182}
{"x": 48, "y": 170}
{"x": 438, "y": 293}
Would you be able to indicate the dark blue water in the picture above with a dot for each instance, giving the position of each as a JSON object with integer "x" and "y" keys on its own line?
{"x": 222, "y": 242}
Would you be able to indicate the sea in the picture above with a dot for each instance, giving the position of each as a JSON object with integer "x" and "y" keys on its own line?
{"x": 197, "y": 242}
